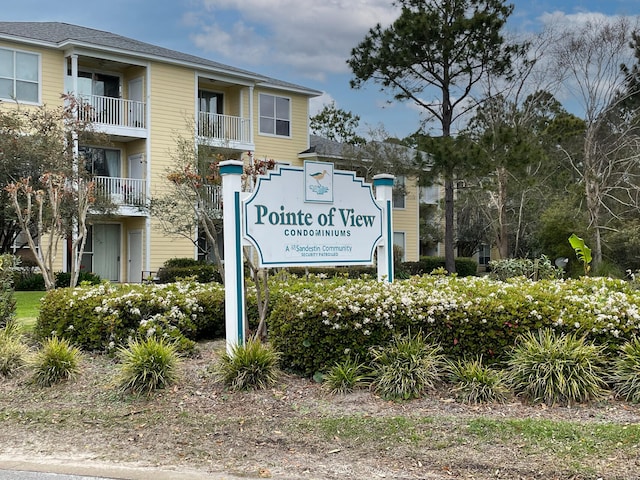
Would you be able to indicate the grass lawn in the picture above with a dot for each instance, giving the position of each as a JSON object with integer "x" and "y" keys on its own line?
{"x": 27, "y": 307}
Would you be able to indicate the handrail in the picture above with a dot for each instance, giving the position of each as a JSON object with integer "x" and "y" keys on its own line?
{"x": 122, "y": 191}
{"x": 224, "y": 127}
{"x": 112, "y": 111}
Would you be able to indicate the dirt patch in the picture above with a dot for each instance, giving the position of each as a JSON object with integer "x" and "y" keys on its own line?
{"x": 296, "y": 430}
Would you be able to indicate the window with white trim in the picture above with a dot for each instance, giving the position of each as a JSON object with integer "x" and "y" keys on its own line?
{"x": 275, "y": 115}
{"x": 399, "y": 241}
{"x": 19, "y": 76}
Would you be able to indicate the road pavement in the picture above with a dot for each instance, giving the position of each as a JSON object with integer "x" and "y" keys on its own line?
{"x": 12, "y": 468}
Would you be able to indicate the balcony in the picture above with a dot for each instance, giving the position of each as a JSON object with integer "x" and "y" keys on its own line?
{"x": 127, "y": 194}
{"x": 115, "y": 116}
{"x": 211, "y": 200}
{"x": 227, "y": 131}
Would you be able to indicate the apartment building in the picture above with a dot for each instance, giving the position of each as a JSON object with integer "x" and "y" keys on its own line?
{"x": 143, "y": 96}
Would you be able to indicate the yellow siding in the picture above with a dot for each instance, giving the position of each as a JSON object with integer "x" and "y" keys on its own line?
{"x": 283, "y": 149}
{"x": 406, "y": 220}
{"x": 172, "y": 107}
{"x": 52, "y": 71}
{"x": 171, "y": 94}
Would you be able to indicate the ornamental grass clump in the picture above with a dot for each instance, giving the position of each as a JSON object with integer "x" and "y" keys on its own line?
{"x": 406, "y": 367}
{"x": 56, "y": 361}
{"x": 250, "y": 366}
{"x": 473, "y": 382}
{"x": 13, "y": 351}
{"x": 546, "y": 367}
{"x": 625, "y": 377}
{"x": 147, "y": 365}
{"x": 346, "y": 376}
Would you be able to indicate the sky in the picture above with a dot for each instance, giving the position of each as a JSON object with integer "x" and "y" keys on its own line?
{"x": 306, "y": 42}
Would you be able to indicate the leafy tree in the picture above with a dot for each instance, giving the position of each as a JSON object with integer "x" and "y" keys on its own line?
{"x": 192, "y": 200}
{"x": 434, "y": 54}
{"x": 52, "y": 206}
{"x": 337, "y": 125}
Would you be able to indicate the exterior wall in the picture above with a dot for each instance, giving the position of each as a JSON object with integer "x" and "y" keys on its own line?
{"x": 170, "y": 92}
{"x": 172, "y": 106}
{"x": 51, "y": 87}
{"x": 283, "y": 149}
{"x": 406, "y": 220}
{"x": 51, "y": 72}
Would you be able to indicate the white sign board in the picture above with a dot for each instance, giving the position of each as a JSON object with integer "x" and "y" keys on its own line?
{"x": 312, "y": 216}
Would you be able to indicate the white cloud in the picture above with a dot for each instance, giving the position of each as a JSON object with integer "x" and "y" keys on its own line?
{"x": 312, "y": 38}
{"x": 316, "y": 104}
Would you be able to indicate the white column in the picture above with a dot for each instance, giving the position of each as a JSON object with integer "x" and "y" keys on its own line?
{"x": 383, "y": 185}
{"x": 231, "y": 173}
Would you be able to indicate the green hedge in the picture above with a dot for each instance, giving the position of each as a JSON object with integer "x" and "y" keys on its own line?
{"x": 105, "y": 316}
{"x": 315, "y": 324}
{"x": 176, "y": 269}
{"x": 465, "y": 267}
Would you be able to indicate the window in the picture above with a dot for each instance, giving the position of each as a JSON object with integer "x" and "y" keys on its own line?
{"x": 275, "y": 115}
{"x": 484, "y": 255}
{"x": 399, "y": 246}
{"x": 101, "y": 161}
{"x": 399, "y": 191}
{"x": 21, "y": 242}
{"x": 19, "y": 75}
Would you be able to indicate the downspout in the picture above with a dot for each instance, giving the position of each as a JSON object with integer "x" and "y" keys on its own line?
{"x": 147, "y": 220}
{"x": 251, "y": 115}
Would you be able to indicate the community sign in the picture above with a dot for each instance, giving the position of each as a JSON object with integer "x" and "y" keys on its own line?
{"x": 314, "y": 215}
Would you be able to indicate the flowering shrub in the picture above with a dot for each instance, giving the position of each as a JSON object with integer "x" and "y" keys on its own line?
{"x": 108, "y": 315}
{"x": 315, "y": 324}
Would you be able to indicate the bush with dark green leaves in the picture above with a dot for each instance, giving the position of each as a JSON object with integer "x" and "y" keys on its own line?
{"x": 63, "y": 279}
{"x": 104, "y": 316}
{"x": 176, "y": 269}
{"x": 551, "y": 368}
{"x": 465, "y": 267}
{"x": 317, "y": 323}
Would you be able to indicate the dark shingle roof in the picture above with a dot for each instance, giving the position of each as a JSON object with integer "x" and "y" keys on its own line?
{"x": 60, "y": 35}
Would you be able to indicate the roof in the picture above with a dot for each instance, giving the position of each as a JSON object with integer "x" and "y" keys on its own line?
{"x": 61, "y": 35}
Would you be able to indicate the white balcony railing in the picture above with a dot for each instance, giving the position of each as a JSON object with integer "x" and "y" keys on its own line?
{"x": 224, "y": 127}
{"x": 112, "y": 111}
{"x": 122, "y": 191}
{"x": 212, "y": 197}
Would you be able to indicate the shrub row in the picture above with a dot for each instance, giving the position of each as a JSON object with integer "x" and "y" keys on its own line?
{"x": 465, "y": 267}
{"x": 314, "y": 324}
{"x": 29, "y": 280}
{"x": 108, "y": 315}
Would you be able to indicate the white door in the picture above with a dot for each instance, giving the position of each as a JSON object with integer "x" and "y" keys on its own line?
{"x": 136, "y": 110}
{"x": 134, "y": 274}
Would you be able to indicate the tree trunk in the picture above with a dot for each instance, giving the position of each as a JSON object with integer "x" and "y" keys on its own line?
{"x": 449, "y": 254}
{"x": 502, "y": 240}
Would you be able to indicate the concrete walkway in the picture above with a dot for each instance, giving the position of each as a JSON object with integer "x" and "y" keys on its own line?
{"x": 59, "y": 469}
